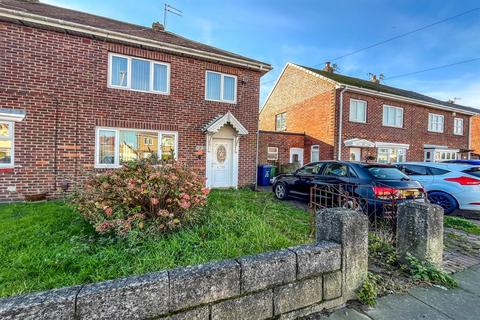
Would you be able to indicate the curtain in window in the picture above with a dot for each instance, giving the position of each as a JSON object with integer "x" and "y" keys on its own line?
{"x": 360, "y": 111}
{"x": 315, "y": 151}
{"x": 107, "y": 147}
{"x": 213, "y": 85}
{"x": 140, "y": 75}
{"x": 119, "y": 71}
{"x": 160, "y": 78}
{"x": 228, "y": 88}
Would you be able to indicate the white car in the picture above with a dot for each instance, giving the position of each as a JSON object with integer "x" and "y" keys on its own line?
{"x": 450, "y": 185}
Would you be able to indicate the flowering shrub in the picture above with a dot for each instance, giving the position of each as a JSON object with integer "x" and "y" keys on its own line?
{"x": 142, "y": 195}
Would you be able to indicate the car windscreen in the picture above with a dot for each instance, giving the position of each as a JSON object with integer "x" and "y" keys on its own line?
{"x": 473, "y": 171}
{"x": 387, "y": 173}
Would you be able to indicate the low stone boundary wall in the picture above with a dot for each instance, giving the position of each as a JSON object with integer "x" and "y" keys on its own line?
{"x": 283, "y": 284}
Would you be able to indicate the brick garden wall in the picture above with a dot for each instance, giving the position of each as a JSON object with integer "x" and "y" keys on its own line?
{"x": 61, "y": 81}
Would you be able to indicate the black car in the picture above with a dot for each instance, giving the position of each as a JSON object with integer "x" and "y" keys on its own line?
{"x": 370, "y": 187}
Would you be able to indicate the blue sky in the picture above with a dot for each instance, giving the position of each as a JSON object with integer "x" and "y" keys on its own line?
{"x": 311, "y": 32}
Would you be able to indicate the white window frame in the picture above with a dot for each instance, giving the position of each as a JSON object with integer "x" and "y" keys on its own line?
{"x": 311, "y": 151}
{"x": 389, "y": 153}
{"x": 352, "y": 118}
{"x": 129, "y": 74}
{"x": 270, "y": 151}
{"x": 433, "y": 122}
{"x": 283, "y": 121}
{"x": 222, "y": 77}
{"x": 384, "y": 123}
{"x": 458, "y": 126}
{"x": 11, "y": 137}
{"x": 116, "y": 163}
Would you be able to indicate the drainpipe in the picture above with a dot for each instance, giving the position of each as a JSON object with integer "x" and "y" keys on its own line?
{"x": 340, "y": 124}
{"x": 469, "y": 137}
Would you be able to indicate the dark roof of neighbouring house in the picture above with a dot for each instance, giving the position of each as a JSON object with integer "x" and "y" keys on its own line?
{"x": 86, "y": 19}
{"x": 366, "y": 84}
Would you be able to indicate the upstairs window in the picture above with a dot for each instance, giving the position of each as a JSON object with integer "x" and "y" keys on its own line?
{"x": 139, "y": 74}
{"x": 6, "y": 144}
{"x": 220, "y": 87}
{"x": 358, "y": 111}
{"x": 435, "y": 122}
{"x": 281, "y": 122}
{"x": 272, "y": 153}
{"x": 392, "y": 116}
{"x": 458, "y": 127}
{"x": 116, "y": 146}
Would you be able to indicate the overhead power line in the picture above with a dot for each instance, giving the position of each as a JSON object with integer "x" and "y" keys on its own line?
{"x": 403, "y": 35}
{"x": 432, "y": 68}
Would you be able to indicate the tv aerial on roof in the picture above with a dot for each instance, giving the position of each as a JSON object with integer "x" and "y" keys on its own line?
{"x": 169, "y": 8}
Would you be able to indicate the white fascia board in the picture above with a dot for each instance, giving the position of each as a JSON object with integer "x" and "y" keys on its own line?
{"x": 99, "y": 32}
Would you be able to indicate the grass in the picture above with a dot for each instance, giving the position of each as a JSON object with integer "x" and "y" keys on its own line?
{"x": 461, "y": 224}
{"x": 48, "y": 245}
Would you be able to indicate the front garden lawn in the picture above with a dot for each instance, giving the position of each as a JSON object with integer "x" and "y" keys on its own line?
{"x": 48, "y": 245}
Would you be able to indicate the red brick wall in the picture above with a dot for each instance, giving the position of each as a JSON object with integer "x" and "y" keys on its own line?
{"x": 61, "y": 80}
{"x": 283, "y": 141}
{"x": 414, "y": 132}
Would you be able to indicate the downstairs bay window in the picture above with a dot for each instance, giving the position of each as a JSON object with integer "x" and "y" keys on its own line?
{"x": 6, "y": 144}
{"x": 115, "y": 146}
{"x": 391, "y": 155}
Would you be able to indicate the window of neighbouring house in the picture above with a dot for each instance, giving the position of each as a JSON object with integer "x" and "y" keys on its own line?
{"x": 458, "y": 126}
{"x": 391, "y": 155}
{"x": 272, "y": 153}
{"x": 281, "y": 122}
{"x": 435, "y": 122}
{"x": 358, "y": 111}
{"x": 315, "y": 153}
{"x": 116, "y": 146}
{"x": 392, "y": 116}
{"x": 6, "y": 144}
{"x": 139, "y": 74}
{"x": 220, "y": 87}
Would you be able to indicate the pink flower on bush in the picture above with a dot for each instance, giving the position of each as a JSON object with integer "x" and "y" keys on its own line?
{"x": 205, "y": 191}
{"x": 154, "y": 201}
{"x": 108, "y": 211}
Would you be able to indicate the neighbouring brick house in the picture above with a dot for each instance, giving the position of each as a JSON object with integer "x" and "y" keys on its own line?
{"x": 378, "y": 122}
{"x": 82, "y": 93}
{"x": 476, "y": 137}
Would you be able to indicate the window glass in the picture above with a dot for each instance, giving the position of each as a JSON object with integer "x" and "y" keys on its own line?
{"x": 473, "y": 171}
{"x": 281, "y": 122}
{"x": 437, "y": 171}
{"x": 213, "y": 85}
{"x": 315, "y": 153}
{"x": 413, "y": 170}
{"x": 392, "y": 116}
{"x": 435, "y": 122}
{"x": 140, "y": 75}
{"x": 148, "y": 144}
{"x": 310, "y": 169}
{"x": 106, "y": 152}
{"x": 160, "y": 77}
{"x": 272, "y": 153}
{"x": 336, "y": 169}
{"x": 386, "y": 173}
{"x": 458, "y": 126}
{"x": 228, "y": 88}
{"x": 5, "y": 151}
{"x": 358, "y": 111}
{"x": 391, "y": 155}
{"x": 119, "y": 71}
{"x": 168, "y": 146}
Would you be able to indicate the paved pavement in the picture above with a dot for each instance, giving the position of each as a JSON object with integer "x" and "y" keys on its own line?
{"x": 424, "y": 303}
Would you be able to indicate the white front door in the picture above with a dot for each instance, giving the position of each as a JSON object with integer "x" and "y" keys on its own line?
{"x": 222, "y": 157}
{"x": 355, "y": 154}
{"x": 296, "y": 155}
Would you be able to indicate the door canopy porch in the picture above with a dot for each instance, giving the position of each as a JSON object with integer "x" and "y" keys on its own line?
{"x": 228, "y": 118}
{"x": 359, "y": 143}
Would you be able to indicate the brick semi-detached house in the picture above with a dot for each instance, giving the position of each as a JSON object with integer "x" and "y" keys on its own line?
{"x": 346, "y": 118}
{"x": 82, "y": 93}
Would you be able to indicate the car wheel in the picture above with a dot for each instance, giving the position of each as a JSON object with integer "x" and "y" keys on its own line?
{"x": 446, "y": 201}
{"x": 281, "y": 192}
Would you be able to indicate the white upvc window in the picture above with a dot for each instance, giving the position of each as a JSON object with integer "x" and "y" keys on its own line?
{"x": 138, "y": 74}
{"x": 315, "y": 153}
{"x": 272, "y": 153}
{"x": 391, "y": 155}
{"x": 458, "y": 126}
{"x": 436, "y": 122}
{"x": 358, "y": 111}
{"x": 281, "y": 122}
{"x": 392, "y": 116}
{"x": 6, "y": 144}
{"x": 220, "y": 87}
{"x": 114, "y": 146}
